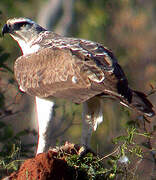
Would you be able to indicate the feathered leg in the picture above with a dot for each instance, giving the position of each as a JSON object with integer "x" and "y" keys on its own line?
{"x": 91, "y": 117}
{"x": 44, "y": 110}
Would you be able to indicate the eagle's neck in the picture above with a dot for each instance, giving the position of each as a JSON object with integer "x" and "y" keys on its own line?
{"x": 32, "y": 45}
{"x": 27, "y": 48}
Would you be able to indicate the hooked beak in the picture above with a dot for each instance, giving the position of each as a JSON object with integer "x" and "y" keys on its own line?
{"x": 5, "y": 29}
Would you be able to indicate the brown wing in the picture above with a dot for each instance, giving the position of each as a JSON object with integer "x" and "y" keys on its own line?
{"x": 70, "y": 68}
{"x": 78, "y": 70}
{"x": 56, "y": 72}
{"x": 115, "y": 82}
{"x": 99, "y": 61}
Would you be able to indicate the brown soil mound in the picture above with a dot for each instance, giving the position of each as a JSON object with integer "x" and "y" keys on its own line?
{"x": 46, "y": 166}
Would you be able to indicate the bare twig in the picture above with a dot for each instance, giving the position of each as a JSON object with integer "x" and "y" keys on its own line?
{"x": 116, "y": 150}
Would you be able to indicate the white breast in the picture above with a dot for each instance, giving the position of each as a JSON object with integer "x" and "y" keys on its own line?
{"x": 27, "y": 49}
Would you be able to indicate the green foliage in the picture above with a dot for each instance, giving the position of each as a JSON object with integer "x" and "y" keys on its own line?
{"x": 12, "y": 148}
{"x": 128, "y": 144}
{"x": 10, "y": 162}
{"x": 88, "y": 165}
{"x": 91, "y": 167}
{"x": 114, "y": 165}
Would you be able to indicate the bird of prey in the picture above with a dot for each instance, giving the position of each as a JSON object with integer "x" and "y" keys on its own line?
{"x": 79, "y": 70}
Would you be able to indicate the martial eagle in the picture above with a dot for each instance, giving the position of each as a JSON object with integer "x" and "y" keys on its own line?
{"x": 79, "y": 70}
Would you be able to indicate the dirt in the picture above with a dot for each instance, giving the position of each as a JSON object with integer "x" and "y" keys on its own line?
{"x": 46, "y": 166}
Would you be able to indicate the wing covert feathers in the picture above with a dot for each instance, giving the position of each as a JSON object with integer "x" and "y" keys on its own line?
{"x": 54, "y": 72}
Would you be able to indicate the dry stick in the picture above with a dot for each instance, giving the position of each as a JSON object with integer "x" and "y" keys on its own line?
{"x": 117, "y": 149}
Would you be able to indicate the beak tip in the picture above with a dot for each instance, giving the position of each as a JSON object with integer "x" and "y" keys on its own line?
{"x": 5, "y": 29}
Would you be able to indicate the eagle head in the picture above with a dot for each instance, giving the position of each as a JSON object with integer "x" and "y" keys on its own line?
{"x": 23, "y": 30}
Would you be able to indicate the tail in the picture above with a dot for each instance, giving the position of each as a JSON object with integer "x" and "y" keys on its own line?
{"x": 140, "y": 103}
{"x": 132, "y": 99}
